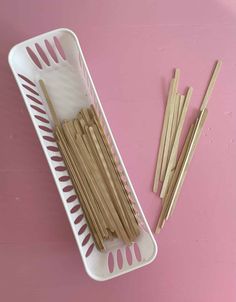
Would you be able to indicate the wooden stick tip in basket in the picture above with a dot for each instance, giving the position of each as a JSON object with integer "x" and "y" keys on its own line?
{"x": 50, "y": 104}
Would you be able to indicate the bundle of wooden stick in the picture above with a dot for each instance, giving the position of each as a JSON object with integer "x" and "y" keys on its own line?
{"x": 170, "y": 171}
{"x": 94, "y": 174}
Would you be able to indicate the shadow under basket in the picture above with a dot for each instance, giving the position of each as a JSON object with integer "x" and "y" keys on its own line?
{"x": 57, "y": 59}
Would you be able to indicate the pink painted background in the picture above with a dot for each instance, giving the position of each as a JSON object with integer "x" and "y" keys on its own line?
{"x": 131, "y": 48}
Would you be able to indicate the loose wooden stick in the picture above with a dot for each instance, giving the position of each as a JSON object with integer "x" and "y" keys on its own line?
{"x": 49, "y": 101}
{"x": 174, "y": 127}
{"x": 211, "y": 85}
{"x": 187, "y": 160}
{"x": 187, "y": 153}
{"x": 179, "y": 164}
{"x": 181, "y": 104}
{"x": 174, "y": 179}
{"x": 177, "y": 76}
{"x": 168, "y": 138}
{"x": 178, "y": 109}
{"x": 175, "y": 145}
{"x": 162, "y": 140}
{"x": 168, "y": 133}
{"x": 174, "y": 123}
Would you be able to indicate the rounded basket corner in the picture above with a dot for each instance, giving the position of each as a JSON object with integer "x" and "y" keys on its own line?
{"x": 11, "y": 54}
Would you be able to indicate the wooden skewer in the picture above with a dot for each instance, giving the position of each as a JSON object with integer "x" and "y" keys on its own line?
{"x": 82, "y": 195}
{"x": 117, "y": 188}
{"x": 109, "y": 203}
{"x": 178, "y": 111}
{"x": 103, "y": 141}
{"x": 101, "y": 207}
{"x": 107, "y": 198}
{"x": 174, "y": 125}
{"x": 59, "y": 133}
{"x": 168, "y": 138}
{"x": 187, "y": 160}
{"x": 87, "y": 172}
{"x": 97, "y": 211}
{"x": 181, "y": 104}
{"x": 186, "y": 154}
{"x": 79, "y": 185}
{"x": 119, "y": 225}
{"x": 106, "y": 206}
{"x": 77, "y": 126}
{"x": 86, "y": 142}
{"x": 175, "y": 145}
{"x": 86, "y": 115}
{"x": 162, "y": 140}
{"x": 49, "y": 101}
{"x": 166, "y": 200}
{"x": 211, "y": 85}
{"x": 91, "y": 205}
{"x": 168, "y": 134}
{"x": 179, "y": 164}
{"x": 168, "y": 206}
{"x": 177, "y": 76}
{"x": 119, "y": 208}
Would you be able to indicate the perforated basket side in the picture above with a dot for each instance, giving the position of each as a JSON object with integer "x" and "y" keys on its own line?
{"x": 59, "y": 58}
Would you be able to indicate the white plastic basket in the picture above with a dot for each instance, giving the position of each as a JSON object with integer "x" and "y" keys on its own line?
{"x": 56, "y": 57}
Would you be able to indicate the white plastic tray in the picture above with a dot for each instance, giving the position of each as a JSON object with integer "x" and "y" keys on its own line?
{"x": 56, "y": 57}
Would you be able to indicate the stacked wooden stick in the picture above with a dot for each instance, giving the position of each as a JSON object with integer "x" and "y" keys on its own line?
{"x": 96, "y": 179}
{"x": 170, "y": 171}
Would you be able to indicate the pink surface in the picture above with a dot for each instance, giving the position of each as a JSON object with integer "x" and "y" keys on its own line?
{"x": 131, "y": 48}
